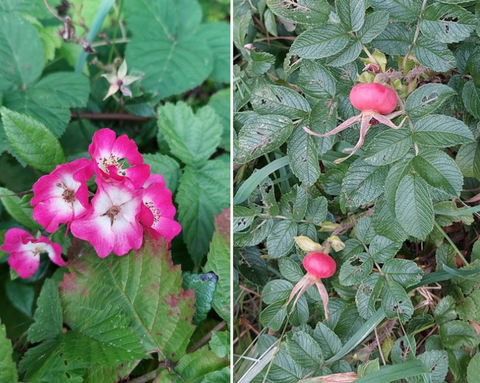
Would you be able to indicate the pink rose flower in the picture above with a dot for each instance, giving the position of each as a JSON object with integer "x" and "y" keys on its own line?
{"x": 112, "y": 223}
{"x": 25, "y": 251}
{"x": 62, "y": 195}
{"x": 109, "y": 154}
{"x": 158, "y": 210}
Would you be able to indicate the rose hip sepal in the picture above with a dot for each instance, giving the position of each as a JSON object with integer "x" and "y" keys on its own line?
{"x": 375, "y": 102}
{"x": 62, "y": 195}
{"x": 109, "y": 154}
{"x": 25, "y": 251}
{"x": 157, "y": 210}
{"x": 318, "y": 266}
{"x": 112, "y": 222}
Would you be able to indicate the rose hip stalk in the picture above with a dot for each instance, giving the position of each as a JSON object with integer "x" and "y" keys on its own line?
{"x": 376, "y": 103}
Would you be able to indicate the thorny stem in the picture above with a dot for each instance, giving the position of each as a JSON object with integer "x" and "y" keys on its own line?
{"x": 415, "y": 36}
{"x": 52, "y": 12}
{"x": 202, "y": 341}
{"x": 379, "y": 345}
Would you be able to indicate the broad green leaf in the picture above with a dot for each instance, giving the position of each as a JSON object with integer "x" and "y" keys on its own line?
{"x": 375, "y": 23}
{"x": 327, "y": 339}
{"x": 262, "y": 135}
{"x": 351, "y": 13}
{"x": 305, "y": 350}
{"x": 20, "y": 66}
{"x": 204, "y": 289}
{"x": 28, "y": 7}
{"x": 403, "y": 271}
{"x": 427, "y": 99}
{"x": 310, "y": 12}
{"x": 270, "y": 22}
{"x": 202, "y": 193}
{"x": 167, "y": 45}
{"x": 320, "y": 42}
{"x": 20, "y": 213}
{"x": 143, "y": 287}
{"x": 48, "y": 315}
{"x": 401, "y": 10}
{"x": 302, "y": 153}
{"x": 441, "y": 131}
{"x": 381, "y": 248}
{"x": 280, "y": 240}
{"x": 32, "y": 141}
{"x": 220, "y": 343}
{"x": 217, "y": 36}
{"x": 317, "y": 210}
{"x": 368, "y": 294}
{"x": 257, "y": 233}
{"x": 218, "y": 262}
{"x": 21, "y": 295}
{"x": 471, "y": 99}
{"x": 217, "y": 376}
{"x": 395, "y": 175}
{"x": 284, "y": 368}
{"x": 242, "y": 218}
{"x": 274, "y": 315}
{"x": 393, "y": 373}
{"x": 388, "y": 146}
{"x": 363, "y": 183}
{"x": 386, "y": 224}
{"x": 192, "y": 138}
{"x": 253, "y": 266}
{"x": 290, "y": 270}
{"x": 346, "y": 55}
{"x": 457, "y": 334}
{"x": 473, "y": 370}
{"x": 395, "y": 301}
{"x": 316, "y": 80}
{"x": 166, "y": 166}
{"x": 8, "y": 369}
{"x": 466, "y": 158}
{"x": 220, "y": 102}
{"x": 364, "y": 230}
{"x": 439, "y": 170}
{"x": 51, "y": 41}
{"x": 394, "y": 40}
{"x": 355, "y": 269}
{"x": 447, "y": 23}
{"x": 280, "y": 100}
{"x": 323, "y": 118}
{"x": 434, "y": 55}
{"x": 277, "y": 290}
{"x": 403, "y": 349}
{"x": 260, "y": 63}
{"x": 414, "y": 207}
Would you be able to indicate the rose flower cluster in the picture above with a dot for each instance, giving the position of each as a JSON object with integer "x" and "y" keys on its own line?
{"x": 128, "y": 201}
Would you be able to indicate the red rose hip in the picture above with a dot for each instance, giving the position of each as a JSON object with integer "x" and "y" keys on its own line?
{"x": 373, "y": 97}
{"x": 319, "y": 265}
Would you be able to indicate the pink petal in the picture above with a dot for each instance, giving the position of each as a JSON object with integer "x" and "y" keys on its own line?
{"x": 127, "y": 148}
{"x": 54, "y": 251}
{"x": 25, "y": 263}
{"x": 15, "y": 239}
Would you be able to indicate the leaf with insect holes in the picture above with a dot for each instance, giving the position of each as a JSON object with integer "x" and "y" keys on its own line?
{"x": 310, "y": 12}
{"x": 395, "y": 301}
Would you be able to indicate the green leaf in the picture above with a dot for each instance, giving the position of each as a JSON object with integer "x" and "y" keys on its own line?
{"x": 383, "y": 249}
{"x": 302, "y": 153}
{"x": 218, "y": 262}
{"x": 471, "y": 99}
{"x": 192, "y": 138}
{"x": 21, "y": 295}
{"x": 166, "y": 166}
{"x": 351, "y": 13}
{"x": 242, "y": 218}
{"x": 427, "y": 99}
{"x": 48, "y": 315}
{"x": 202, "y": 193}
{"x": 310, "y": 12}
{"x": 277, "y": 290}
{"x": 346, "y": 55}
{"x": 395, "y": 372}
{"x": 394, "y": 40}
{"x": 401, "y": 10}
{"x": 328, "y": 341}
{"x": 305, "y": 351}
{"x": 355, "y": 269}
{"x": 317, "y": 210}
{"x": 320, "y": 42}
{"x": 220, "y": 343}
{"x": 375, "y": 23}
{"x": 217, "y": 36}
{"x": 457, "y": 334}
{"x": 439, "y": 170}
{"x": 364, "y": 230}
{"x": 260, "y": 63}
{"x": 51, "y": 41}
{"x": 387, "y": 147}
{"x": 280, "y": 241}
{"x": 368, "y": 294}
{"x": 403, "y": 271}
{"x": 19, "y": 66}
{"x": 27, "y": 7}
{"x": 323, "y": 118}
{"x": 473, "y": 369}
{"x": 281, "y": 100}
{"x": 204, "y": 288}
{"x": 262, "y": 135}
{"x": 434, "y": 55}
{"x": 19, "y": 213}
{"x": 414, "y": 207}
{"x": 363, "y": 183}
{"x": 142, "y": 287}
{"x": 8, "y": 369}
{"x": 465, "y": 158}
{"x": 316, "y": 80}
{"x": 169, "y": 34}
{"x": 274, "y": 315}
{"x": 32, "y": 141}
{"x": 441, "y": 131}
{"x": 395, "y": 301}
{"x": 447, "y": 23}
{"x": 220, "y": 102}
{"x": 386, "y": 224}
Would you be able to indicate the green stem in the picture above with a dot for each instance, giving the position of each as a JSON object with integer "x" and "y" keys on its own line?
{"x": 449, "y": 240}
